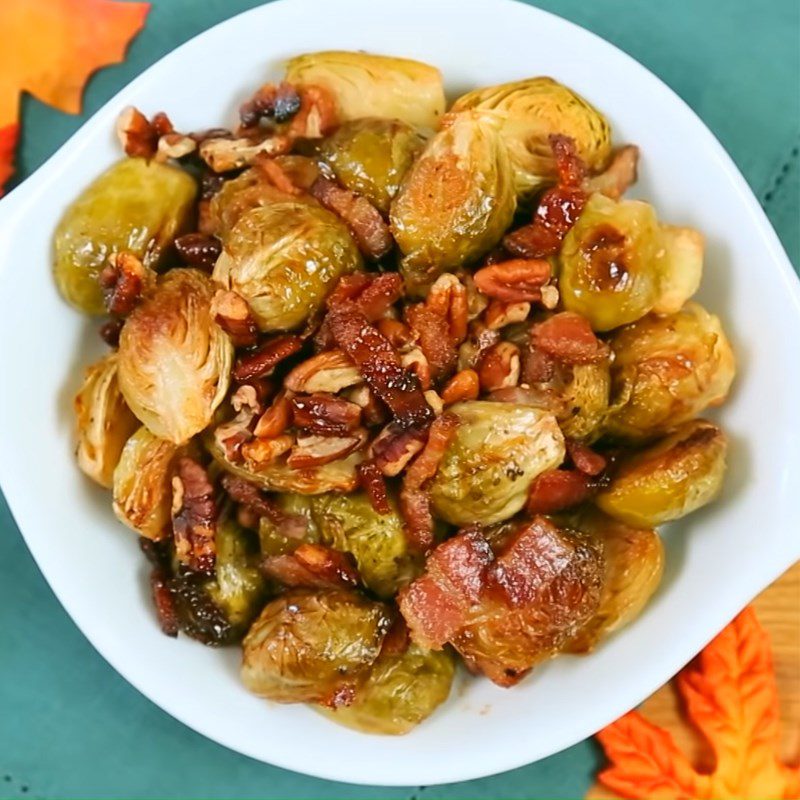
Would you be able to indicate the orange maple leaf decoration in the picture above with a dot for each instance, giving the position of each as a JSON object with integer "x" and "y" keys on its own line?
{"x": 53, "y": 46}
{"x": 731, "y": 697}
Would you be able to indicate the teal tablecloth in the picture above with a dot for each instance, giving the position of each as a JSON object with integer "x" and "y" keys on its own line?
{"x": 69, "y": 725}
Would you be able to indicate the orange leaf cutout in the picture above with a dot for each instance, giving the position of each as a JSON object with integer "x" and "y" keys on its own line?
{"x": 731, "y": 696}
{"x": 57, "y": 45}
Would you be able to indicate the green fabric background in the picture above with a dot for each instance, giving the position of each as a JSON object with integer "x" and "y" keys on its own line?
{"x": 69, "y": 725}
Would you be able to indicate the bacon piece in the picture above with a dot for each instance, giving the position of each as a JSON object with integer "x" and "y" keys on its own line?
{"x": 516, "y": 281}
{"x": 373, "y": 295}
{"x": 263, "y": 360}
{"x": 558, "y": 489}
{"x": 314, "y": 566}
{"x": 396, "y": 641}
{"x": 585, "y": 459}
{"x": 537, "y": 366}
{"x": 380, "y": 366}
{"x": 370, "y": 479}
{"x": 232, "y": 313}
{"x": 249, "y": 495}
{"x": 433, "y": 335}
{"x": 194, "y": 516}
{"x": 368, "y": 227}
{"x": 325, "y": 414}
{"x": 569, "y": 338}
{"x": 415, "y": 501}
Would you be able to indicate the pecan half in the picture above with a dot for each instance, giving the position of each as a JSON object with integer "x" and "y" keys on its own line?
{"x": 276, "y": 419}
{"x": 499, "y": 367}
{"x": 415, "y": 360}
{"x": 516, "y": 281}
{"x": 400, "y": 336}
{"x": 232, "y": 313}
{"x": 226, "y": 154}
{"x": 464, "y": 385}
{"x": 198, "y": 250}
{"x": 432, "y": 332}
{"x": 394, "y": 447}
{"x": 328, "y": 371}
{"x": 136, "y": 135}
{"x": 325, "y": 414}
{"x": 448, "y": 298}
{"x": 260, "y": 451}
{"x": 266, "y": 357}
{"x": 194, "y": 516}
{"x": 315, "y": 451}
{"x": 231, "y": 435}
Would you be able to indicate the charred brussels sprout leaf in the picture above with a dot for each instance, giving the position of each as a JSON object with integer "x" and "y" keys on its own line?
{"x": 669, "y": 480}
{"x": 284, "y": 258}
{"x": 104, "y": 421}
{"x": 174, "y": 360}
{"x": 529, "y": 111}
{"x": 137, "y": 206}
{"x": 377, "y": 541}
{"x": 371, "y": 156}
{"x": 497, "y": 451}
{"x": 667, "y": 370}
{"x": 366, "y": 85}
{"x": 455, "y": 203}
{"x": 306, "y": 647}
{"x": 402, "y": 690}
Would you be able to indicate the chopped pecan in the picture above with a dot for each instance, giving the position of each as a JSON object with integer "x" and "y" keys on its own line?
{"x": 231, "y": 435}
{"x": 614, "y": 181}
{"x": 123, "y": 280}
{"x": 569, "y": 338}
{"x": 448, "y": 298}
{"x": 314, "y": 566}
{"x": 174, "y": 146}
{"x": 233, "y": 315}
{"x": 395, "y": 446}
{"x": 481, "y": 338}
{"x": 585, "y": 459}
{"x": 110, "y": 331}
{"x": 432, "y": 332}
{"x": 276, "y": 419}
{"x": 198, "y": 250}
{"x": 400, "y": 336}
{"x": 464, "y": 385}
{"x": 370, "y": 479}
{"x": 415, "y": 360}
{"x": 226, "y": 154}
{"x": 136, "y": 135}
{"x": 246, "y": 398}
{"x": 279, "y": 103}
{"x": 160, "y": 574}
{"x": 368, "y": 227}
{"x": 328, "y": 371}
{"x": 260, "y": 451}
{"x": 258, "y": 504}
{"x": 550, "y": 296}
{"x": 317, "y": 114}
{"x": 517, "y": 281}
{"x": 499, "y": 367}
{"x": 557, "y": 490}
{"x": 499, "y": 314}
{"x": 194, "y": 516}
{"x": 434, "y": 401}
{"x": 325, "y": 414}
{"x": 312, "y": 450}
{"x": 266, "y": 357}
{"x": 373, "y": 411}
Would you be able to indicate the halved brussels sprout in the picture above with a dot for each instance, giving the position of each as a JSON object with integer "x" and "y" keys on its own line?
{"x": 585, "y": 400}
{"x": 143, "y": 484}
{"x": 274, "y": 542}
{"x": 305, "y": 647}
{"x": 497, "y": 451}
{"x": 685, "y": 248}
{"x": 104, "y": 421}
{"x": 633, "y": 565}
{"x": 174, "y": 360}
{"x": 674, "y": 477}
{"x": 366, "y": 85}
{"x": 530, "y": 111}
{"x": 455, "y": 202}
{"x": 137, "y": 206}
{"x": 402, "y": 690}
{"x": 377, "y": 541}
{"x": 284, "y": 258}
{"x": 667, "y": 370}
{"x": 371, "y": 156}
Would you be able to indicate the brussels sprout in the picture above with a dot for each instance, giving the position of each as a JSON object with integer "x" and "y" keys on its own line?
{"x": 666, "y": 370}
{"x": 137, "y": 206}
{"x": 142, "y": 486}
{"x": 104, "y": 421}
{"x": 674, "y": 477}
{"x": 284, "y": 258}
{"x": 174, "y": 360}
{"x": 584, "y": 400}
{"x": 497, "y": 451}
{"x": 633, "y": 564}
{"x": 377, "y": 541}
{"x": 529, "y": 111}
{"x": 684, "y": 267}
{"x": 402, "y": 690}
{"x": 273, "y": 540}
{"x": 307, "y": 646}
{"x": 371, "y": 156}
{"x": 366, "y": 85}
{"x": 455, "y": 202}
{"x": 218, "y": 610}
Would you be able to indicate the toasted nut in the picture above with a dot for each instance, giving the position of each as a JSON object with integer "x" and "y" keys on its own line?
{"x": 400, "y": 336}
{"x": 448, "y": 298}
{"x": 550, "y": 296}
{"x": 175, "y": 145}
{"x": 124, "y": 280}
{"x": 464, "y": 385}
{"x": 276, "y": 419}
{"x": 514, "y": 281}
{"x": 415, "y": 361}
{"x": 314, "y": 451}
{"x": 328, "y": 371}
{"x": 136, "y": 135}
{"x": 198, "y": 250}
{"x": 499, "y": 314}
{"x": 232, "y": 313}
{"x": 476, "y": 302}
{"x": 372, "y": 410}
{"x": 499, "y": 367}
{"x": 231, "y": 435}
{"x": 246, "y": 396}
{"x": 325, "y": 414}
{"x": 266, "y": 357}
{"x": 263, "y": 451}
{"x": 224, "y": 155}
{"x": 434, "y": 401}
{"x": 618, "y": 175}
{"x": 394, "y": 447}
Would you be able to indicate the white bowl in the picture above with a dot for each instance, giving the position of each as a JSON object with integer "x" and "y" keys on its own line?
{"x": 718, "y": 559}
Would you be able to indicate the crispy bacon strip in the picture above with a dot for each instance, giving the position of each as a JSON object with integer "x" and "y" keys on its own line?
{"x": 585, "y": 459}
{"x": 371, "y": 480}
{"x": 380, "y": 366}
{"x": 364, "y": 220}
{"x": 262, "y": 361}
{"x": 373, "y": 295}
{"x": 433, "y": 334}
{"x": 415, "y": 502}
{"x": 293, "y": 526}
{"x": 194, "y": 516}
{"x": 569, "y": 338}
{"x": 314, "y": 566}
{"x": 558, "y": 489}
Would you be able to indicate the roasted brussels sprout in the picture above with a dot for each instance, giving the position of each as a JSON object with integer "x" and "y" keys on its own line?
{"x": 633, "y": 564}
{"x": 174, "y": 360}
{"x": 218, "y": 610}
{"x": 529, "y": 111}
{"x": 371, "y": 156}
{"x": 366, "y": 85}
{"x": 104, "y": 421}
{"x": 497, "y": 451}
{"x": 666, "y": 370}
{"x": 284, "y": 258}
{"x": 670, "y": 479}
{"x": 618, "y": 263}
{"x": 584, "y": 400}
{"x": 455, "y": 202}
{"x": 274, "y": 541}
{"x": 137, "y": 206}
{"x": 142, "y": 484}
{"x": 402, "y": 690}
{"x": 307, "y": 647}
{"x": 377, "y": 541}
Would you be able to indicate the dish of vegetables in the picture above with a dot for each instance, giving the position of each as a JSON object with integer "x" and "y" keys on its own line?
{"x": 392, "y": 384}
